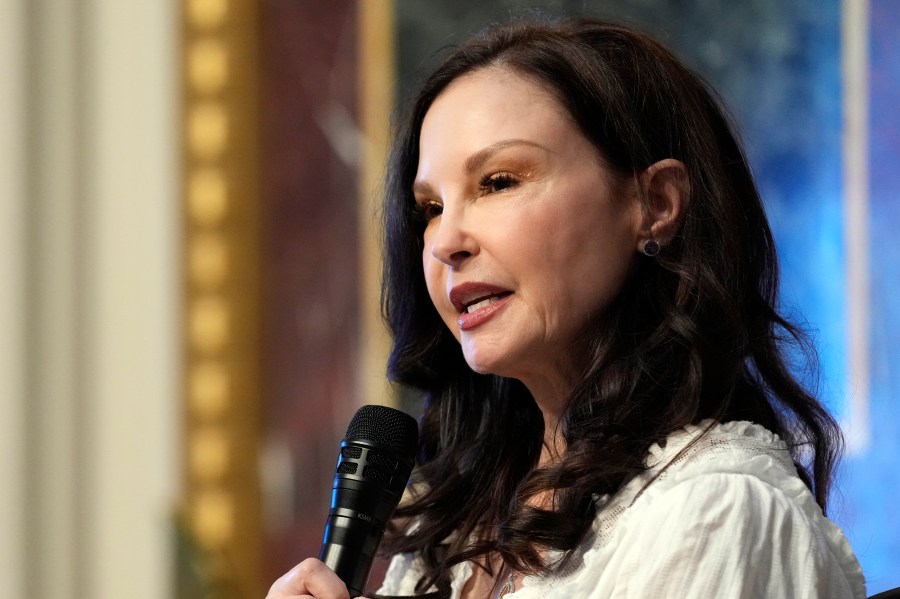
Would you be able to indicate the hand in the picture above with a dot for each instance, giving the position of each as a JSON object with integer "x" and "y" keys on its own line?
{"x": 310, "y": 579}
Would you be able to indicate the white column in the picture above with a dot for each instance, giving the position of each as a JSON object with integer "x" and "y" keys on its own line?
{"x": 54, "y": 465}
{"x": 12, "y": 299}
{"x": 132, "y": 236}
{"x": 89, "y": 298}
{"x": 855, "y": 73}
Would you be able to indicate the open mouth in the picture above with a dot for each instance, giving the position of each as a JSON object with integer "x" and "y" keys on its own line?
{"x": 475, "y": 296}
{"x": 483, "y": 302}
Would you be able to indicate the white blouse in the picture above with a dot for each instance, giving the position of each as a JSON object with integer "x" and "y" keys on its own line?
{"x": 727, "y": 517}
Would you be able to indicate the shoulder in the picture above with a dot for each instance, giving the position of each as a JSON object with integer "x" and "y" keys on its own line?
{"x": 725, "y": 498}
{"x": 729, "y": 444}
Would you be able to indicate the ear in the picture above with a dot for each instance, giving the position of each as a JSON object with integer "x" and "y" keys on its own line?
{"x": 667, "y": 191}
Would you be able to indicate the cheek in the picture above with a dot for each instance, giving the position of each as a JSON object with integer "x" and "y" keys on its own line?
{"x": 586, "y": 261}
{"x": 432, "y": 275}
{"x": 435, "y": 282}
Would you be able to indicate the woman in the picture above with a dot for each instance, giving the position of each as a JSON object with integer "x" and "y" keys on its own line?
{"x": 580, "y": 278}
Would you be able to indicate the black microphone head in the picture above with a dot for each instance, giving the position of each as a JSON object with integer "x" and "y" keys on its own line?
{"x": 386, "y": 427}
{"x": 373, "y": 469}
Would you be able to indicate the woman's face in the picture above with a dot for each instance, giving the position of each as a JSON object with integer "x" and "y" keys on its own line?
{"x": 529, "y": 234}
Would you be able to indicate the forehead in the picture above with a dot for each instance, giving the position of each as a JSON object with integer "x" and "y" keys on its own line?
{"x": 490, "y": 104}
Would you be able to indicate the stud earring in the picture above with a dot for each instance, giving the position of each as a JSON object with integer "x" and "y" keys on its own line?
{"x": 651, "y": 247}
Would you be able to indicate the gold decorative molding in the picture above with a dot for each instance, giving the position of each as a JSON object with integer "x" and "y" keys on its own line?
{"x": 376, "y": 99}
{"x": 222, "y": 291}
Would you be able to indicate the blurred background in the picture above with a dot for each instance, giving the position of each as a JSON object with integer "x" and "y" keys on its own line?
{"x": 189, "y": 260}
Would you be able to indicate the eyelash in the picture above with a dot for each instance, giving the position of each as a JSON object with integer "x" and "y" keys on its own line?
{"x": 488, "y": 183}
{"x": 426, "y": 211}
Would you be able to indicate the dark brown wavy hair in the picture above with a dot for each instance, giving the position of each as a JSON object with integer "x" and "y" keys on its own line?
{"x": 694, "y": 334}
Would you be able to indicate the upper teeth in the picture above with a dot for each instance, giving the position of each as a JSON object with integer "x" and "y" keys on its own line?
{"x": 485, "y": 302}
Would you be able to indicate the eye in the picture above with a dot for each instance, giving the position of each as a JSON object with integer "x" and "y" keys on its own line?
{"x": 498, "y": 182}
{"x": 428, "y": 210}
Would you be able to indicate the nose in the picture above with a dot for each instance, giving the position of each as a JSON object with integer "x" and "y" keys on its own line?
{"x": 452, "y": 240}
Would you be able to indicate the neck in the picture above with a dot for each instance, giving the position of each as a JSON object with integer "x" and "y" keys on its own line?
{"x": 551, "y": 395}
{"x": 554, "y": 445}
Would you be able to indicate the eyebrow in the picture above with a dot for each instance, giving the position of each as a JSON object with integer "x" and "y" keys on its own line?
{"x": 474, "y": 162}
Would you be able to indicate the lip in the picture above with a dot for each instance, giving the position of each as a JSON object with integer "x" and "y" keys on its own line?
{"x": 465, "y": 294}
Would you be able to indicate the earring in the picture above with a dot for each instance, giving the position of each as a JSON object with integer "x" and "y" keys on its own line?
{"x": 651, "y": 247}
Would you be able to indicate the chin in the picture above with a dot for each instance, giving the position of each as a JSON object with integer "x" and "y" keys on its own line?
{"x": 477, "y": 365}
{"x": 475, "y": 359}
{"x": 482, "y": 369}
{"x": 482, "y": 363}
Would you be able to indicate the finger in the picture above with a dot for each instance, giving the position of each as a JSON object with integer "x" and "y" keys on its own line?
{"x": 310, "y": 577}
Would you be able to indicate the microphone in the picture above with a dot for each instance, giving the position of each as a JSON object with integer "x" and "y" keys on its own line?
{"x": 376, "y": 459}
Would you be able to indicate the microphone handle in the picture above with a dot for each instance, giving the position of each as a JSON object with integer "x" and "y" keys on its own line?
{"x": 359, "y": 513}
{"x": 349, "y": 549}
